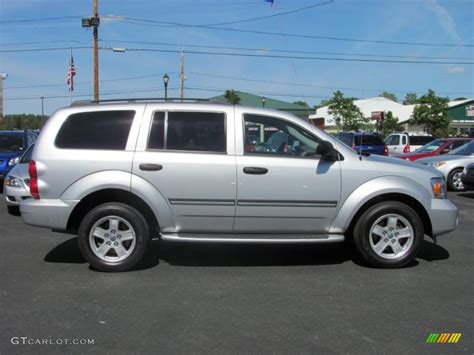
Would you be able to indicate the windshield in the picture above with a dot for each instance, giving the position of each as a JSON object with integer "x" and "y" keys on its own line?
{"x": 466, "y": 149}
{"x": 431, "y": 146}
{"x": 11, "y": 142}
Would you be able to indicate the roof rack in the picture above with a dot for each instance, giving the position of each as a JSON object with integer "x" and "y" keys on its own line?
{"x": 149, "y": 99}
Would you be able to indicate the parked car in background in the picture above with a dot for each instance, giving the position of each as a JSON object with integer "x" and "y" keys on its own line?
{"x": 12, "y": 146}
{"x": 435, "y": 147}
{"x": 120, "y": 174}
{"x": 401, "y": 143}
{"x": 467, "y": 177}
{"x": 17, "y": 183}
{"x": 452, "y": 164}
{"x": 364, "y": 142}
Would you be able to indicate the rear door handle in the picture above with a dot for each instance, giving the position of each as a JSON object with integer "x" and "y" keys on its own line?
{"x": 255, "y": 171}
{"x": 150, "y": 167}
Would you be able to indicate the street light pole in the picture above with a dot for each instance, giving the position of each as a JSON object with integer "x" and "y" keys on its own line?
{"x": 264, "y": 100}
{"x": 166, "y": 79}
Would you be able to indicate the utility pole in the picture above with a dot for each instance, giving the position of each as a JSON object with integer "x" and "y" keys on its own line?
{"x": 182, "y": 75}
{"x": 96, "y": 52}
{"x": 2, "y": 77}
{"x": 94, "y": 22}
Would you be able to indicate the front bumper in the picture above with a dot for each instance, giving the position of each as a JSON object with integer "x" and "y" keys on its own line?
{"x": 14, "y": 195}
{"x": 53, "y": 214}
{"x": 444, "y": 216}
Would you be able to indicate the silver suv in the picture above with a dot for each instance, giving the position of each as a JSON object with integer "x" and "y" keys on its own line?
{"x": 119, "y": 174}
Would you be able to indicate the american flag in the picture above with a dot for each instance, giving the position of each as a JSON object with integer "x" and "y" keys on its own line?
{"x": 70, "y": 74}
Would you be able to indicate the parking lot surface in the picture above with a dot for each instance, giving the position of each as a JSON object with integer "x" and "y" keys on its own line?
{"x": 207, "y": 298}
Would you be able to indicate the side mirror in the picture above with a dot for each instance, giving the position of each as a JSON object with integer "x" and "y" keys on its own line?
{"x": 327, "y": 151}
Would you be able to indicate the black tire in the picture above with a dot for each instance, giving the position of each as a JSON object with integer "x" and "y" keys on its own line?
{"x": 451, "y": 182}
{"x": 362, "y": 235}
{"x": 132, "y": 217}
{"x": 14, "y": 210}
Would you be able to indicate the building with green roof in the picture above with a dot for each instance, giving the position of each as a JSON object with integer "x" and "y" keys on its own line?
{"x": 247, "y": 99}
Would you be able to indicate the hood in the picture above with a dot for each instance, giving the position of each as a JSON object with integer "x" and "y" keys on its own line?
{"x": 20, "y": 171}
{"x": 444, "y": 157}
{"x": 7, "y": 154}
{"x": 403, "y": 164}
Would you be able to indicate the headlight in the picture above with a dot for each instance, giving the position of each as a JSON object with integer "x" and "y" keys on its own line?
{"x": 439, "y": 163}
{"x": 13, "y": 161}
{"x": 12, "y": 181}
{"x": 438, "y": 185}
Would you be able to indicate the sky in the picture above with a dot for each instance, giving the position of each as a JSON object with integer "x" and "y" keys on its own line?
{"x": 446, "y": 27}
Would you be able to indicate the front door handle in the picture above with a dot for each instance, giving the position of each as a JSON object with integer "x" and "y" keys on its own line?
{"x": 150, "y": 167}
{"x": 255, "y": 171}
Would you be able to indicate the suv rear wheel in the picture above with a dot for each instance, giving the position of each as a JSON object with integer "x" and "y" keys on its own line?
{"x": 389, "y": 235}
{"x": 113, "y": 237}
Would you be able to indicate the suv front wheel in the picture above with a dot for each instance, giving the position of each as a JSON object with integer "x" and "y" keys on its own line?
{"x": 389, "y": 235}
{"x": 113, "y": 237}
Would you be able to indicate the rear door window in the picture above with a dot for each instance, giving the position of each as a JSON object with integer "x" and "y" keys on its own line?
{"x": 105, "y": 130}
{"x": 188, "y": 131}
{"x": 370, "y": 139}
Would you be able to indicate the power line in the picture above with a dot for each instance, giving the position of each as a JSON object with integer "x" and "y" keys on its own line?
{"x": 283, "y": 50}
{"x": 393, "y": 61}
{"x": 317, "y": 86}
{"x": 273, "y": 15}
{"x": 89, "y": 82}
{"x": 154, "y": 23}
{"x": 40, "y": 19}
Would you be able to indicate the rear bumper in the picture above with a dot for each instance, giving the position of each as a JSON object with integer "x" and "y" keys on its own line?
{"x": 52, "y": 214}
{"x": 444, "y": 216}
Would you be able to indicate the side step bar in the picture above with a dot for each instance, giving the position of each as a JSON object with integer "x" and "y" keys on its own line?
{"x": 253, "y": 238}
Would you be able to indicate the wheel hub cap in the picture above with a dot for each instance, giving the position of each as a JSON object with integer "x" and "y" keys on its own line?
{"x": 391, "y": 236}
{"x": 112, "y": 239}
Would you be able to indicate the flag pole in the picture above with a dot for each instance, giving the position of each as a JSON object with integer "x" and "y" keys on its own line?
{"x": 70, "y": 87}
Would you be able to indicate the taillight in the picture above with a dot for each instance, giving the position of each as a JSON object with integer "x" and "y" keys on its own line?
{"x": 406, "y": 149}
{"x": 385, "y": 151}
{"x": 33, "y": 180}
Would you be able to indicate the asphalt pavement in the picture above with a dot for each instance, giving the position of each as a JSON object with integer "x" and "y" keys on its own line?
{"x": 234, "y": 299}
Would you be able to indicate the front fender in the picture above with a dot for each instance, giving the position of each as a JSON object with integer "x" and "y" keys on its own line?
{"x": 371, "y": 189}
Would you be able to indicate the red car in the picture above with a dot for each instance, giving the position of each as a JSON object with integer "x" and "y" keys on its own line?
{"x": 436, "y": 147}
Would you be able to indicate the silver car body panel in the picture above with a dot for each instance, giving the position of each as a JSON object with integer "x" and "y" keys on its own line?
{"x": 452, "y": 162}
{"x": 206, "y": 193}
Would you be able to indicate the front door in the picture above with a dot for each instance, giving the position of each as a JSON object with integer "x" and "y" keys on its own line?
{"x": 283, "y": 186}
{"x": 189, "y": 159}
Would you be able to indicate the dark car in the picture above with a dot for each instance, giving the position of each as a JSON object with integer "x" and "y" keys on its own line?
{"x": 435, "y": 147}
{"x": 12, "y": 146}
{"x": 467, "y": 177}
{"x": 364, "y": 142}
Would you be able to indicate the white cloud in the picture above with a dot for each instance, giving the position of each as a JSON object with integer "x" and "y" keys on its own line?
{"x": 456, "y": 70}
{"x": 444, "y": 19}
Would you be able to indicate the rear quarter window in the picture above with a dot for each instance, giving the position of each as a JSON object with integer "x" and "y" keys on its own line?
{"x": 104, "y": 130}
{"x": 420, "y": 140}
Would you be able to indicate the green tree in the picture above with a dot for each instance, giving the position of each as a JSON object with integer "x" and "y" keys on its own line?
{"x": 301, "y": 103}
{"x": 389, "y": 95}
{"x": 232, "y": 97}
{"x": 346, "y": 114}
{"x": 23, "y": 121}
{"x": 432, "y": 112}
{"x": 460, "y": 98}
{"x": 411, "y": 98}
{"x": 389, "y": 125}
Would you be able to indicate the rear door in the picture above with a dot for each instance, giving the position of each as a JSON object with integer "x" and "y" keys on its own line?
{"x": 370, "y": 143}
{"x": 283, "y": 186}
{"x": 188, "y": 155}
